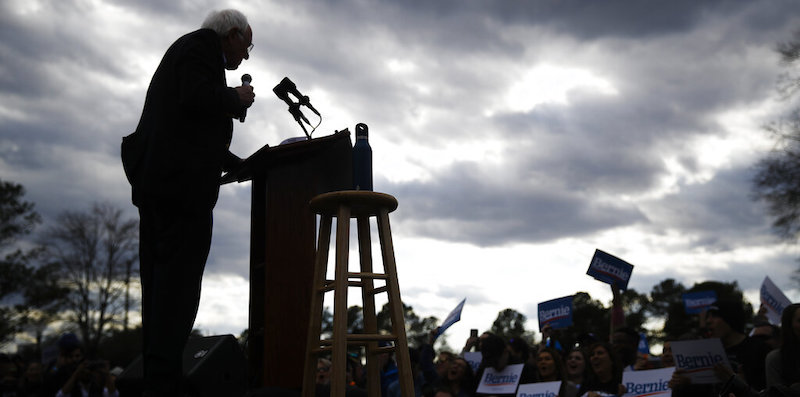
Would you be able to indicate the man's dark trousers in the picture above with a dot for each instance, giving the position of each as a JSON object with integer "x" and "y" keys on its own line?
{"x": 174, "y": 245}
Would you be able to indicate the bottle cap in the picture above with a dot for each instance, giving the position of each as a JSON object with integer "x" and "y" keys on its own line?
{"x": 362, "y": 130}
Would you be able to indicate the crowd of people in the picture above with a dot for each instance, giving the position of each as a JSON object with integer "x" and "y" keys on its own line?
{"x": 764, "y": 361}
{"x": 69, "y": 374}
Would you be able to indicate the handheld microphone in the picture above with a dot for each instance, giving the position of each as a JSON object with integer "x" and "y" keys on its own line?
{"x": 246, "y": 79}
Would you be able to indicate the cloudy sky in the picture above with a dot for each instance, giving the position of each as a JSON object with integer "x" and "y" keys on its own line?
{"x": 517, "y": 136}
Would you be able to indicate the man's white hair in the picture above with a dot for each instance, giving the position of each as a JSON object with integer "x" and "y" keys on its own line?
{"x": 223, "y": 21}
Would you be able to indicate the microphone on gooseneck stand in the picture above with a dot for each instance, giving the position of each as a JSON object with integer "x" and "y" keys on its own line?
{"x": 246, "y": 79}
{"x": 282, "y": 91}
{"x": 287, "y": 86}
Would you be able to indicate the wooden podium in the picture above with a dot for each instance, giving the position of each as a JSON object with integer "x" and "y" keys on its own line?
{"x": 282, "y": 249}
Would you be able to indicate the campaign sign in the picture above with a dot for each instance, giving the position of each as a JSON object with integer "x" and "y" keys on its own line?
{"x": 541, "y": 389}
{"x": 474, "y": 359}
{"x": 556, "y": 312}
{"x": 652, "y": 382}
{"x": 698, "y": 357}
{"x": 774, "y": 300}
{"x": 610, "y": 269}
{"x": 452, "y": 318}
{"x": 644, "y": 345}
{"x": 695, "y": 302}
{"x": 502, "y": 382}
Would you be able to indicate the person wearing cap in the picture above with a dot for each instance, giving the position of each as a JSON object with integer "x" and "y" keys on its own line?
{"x": 726, "y": 320}
{"x": 70, "y": 354}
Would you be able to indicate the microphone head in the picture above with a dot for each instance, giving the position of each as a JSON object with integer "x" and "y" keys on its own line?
{"x": 246, "y": 79}
{"x": 283, "y": 89}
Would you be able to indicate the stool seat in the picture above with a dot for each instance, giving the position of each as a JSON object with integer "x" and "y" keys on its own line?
{"x": 344, "y": 206}
{"x": 361, "y": 202}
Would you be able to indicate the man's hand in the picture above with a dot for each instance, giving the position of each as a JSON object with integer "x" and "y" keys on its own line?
{"x": 246, "y": 95}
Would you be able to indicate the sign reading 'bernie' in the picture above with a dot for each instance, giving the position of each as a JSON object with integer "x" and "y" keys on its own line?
{"x": 695, "y": 302}
{"x": 556, "y": 312}
{"x": 698, "y": 358}
{"x": 610, "y": 269}
{"x": 654, "y": 382}
{"x": 500, "y": 382}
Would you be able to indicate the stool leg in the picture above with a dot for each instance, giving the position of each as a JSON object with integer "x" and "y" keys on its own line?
{"x": 339, "y": 346}
{"x": 317, "y": 298}
{"x": 395, "y": 305}
{"x": 368, "y": 295}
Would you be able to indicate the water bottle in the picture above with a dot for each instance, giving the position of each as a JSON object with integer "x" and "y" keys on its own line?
{"x": 362, "y": 159}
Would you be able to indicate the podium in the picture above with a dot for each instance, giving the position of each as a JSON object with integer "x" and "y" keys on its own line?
{"x": 282, "y": 249}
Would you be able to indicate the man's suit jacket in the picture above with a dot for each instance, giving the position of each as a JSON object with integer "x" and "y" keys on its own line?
{"x": 180, "y": 147}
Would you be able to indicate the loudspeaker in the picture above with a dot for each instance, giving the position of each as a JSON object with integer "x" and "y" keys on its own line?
{"x": 212, "y": 366}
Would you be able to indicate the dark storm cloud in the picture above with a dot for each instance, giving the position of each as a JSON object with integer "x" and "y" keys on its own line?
{"x": 467, "y": 203}
{"x": 720, "y": 213}
{"x": 33, "y": 62}
{"x": 71, "y": 86}
{"x": 458, "y": 27}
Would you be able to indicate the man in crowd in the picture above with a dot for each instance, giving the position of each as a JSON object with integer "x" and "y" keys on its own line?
{"x": 726, "y": 320}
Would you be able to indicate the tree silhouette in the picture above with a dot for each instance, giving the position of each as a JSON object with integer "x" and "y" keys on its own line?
{"x": 417, "y": 329}
{"x": 93, "y": 250}
{"x": 777, "y": 177}
{"x": 17, "y": 220}
{"x": 509, "y": 324}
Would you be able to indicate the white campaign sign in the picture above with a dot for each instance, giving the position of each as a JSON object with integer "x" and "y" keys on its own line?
{"x": 698, "y": 357}
{"x": 503, "y": 382}
{"x": 474, "y": 359}
{"x": 541, "y": 389}
{"x": 774, "y": 300}
{"x": 653, "y": 382}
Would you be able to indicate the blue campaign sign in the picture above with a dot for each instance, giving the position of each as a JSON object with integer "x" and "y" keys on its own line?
{"x": 695, "y": 302}
{"x": 556, "y": 312}
{"x": 644, "y": 345}
{"x": 452, "y": 318}
{"x": 610, "y": 269}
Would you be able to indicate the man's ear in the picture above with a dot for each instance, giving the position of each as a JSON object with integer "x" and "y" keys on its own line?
{"x": 231, "y": 34}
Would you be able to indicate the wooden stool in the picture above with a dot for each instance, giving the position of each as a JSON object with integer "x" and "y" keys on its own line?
{"x": 361, "y": 205}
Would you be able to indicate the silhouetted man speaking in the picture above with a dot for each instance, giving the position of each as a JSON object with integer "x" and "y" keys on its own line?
{"x": 174, "y": 161}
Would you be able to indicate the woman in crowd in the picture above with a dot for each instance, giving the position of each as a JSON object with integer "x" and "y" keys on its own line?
{"x": 577, "y": 366}
{"x": 606, "y": 375}
{"x": 783, "y": 364}
{"x": 458, "y": 379}
{"x": 551, "y": 369}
